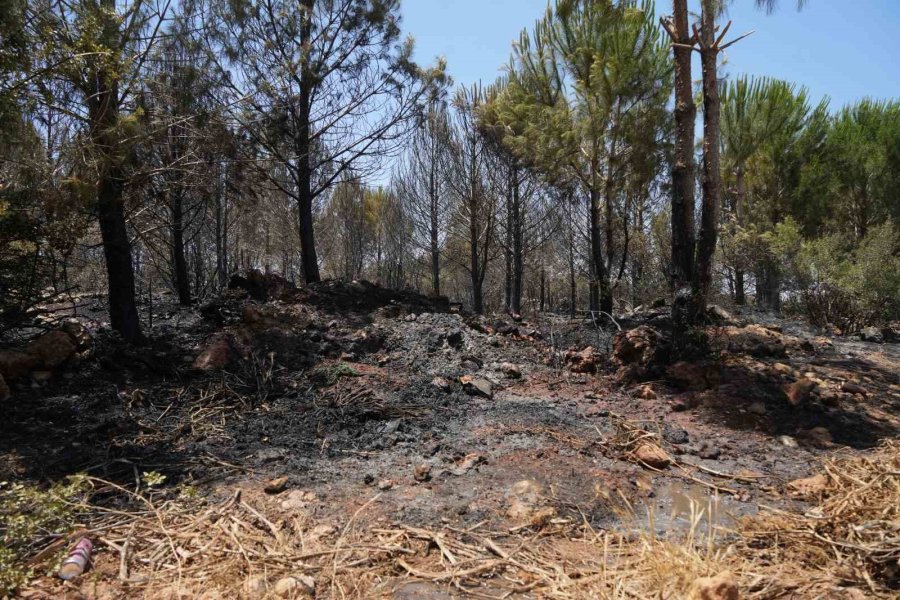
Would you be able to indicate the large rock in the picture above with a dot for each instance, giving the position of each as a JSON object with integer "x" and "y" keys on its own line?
{"x": 754, "y": 340}
{"x": 52, "y": 349}
{"x": 871, "y": 334}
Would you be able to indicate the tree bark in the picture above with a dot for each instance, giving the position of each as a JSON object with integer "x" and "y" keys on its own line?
{"x": 712, "y": 178}
{"x": 683, "y": 168}
{"x": 740, "y": 191}
{"x": 179, "y": 261}
{"x": 103, "y": 114}
{"x": 518, "y": 258}
{"x": 601, "y": 294}
{"x": 308, "y": 258}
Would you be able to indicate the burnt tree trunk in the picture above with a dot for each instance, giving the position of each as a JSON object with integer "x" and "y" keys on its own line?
{"x": 683, "y": 168}
{"x": 712, "y": 180}
{"x": 179, "y": 261}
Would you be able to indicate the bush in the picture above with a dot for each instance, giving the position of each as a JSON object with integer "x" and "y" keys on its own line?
{"x": 851, "y": 287}
{"x": 29, "y": 518}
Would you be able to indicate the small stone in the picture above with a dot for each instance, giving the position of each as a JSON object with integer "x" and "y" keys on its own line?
{"x": 645, "y": 392}
{"x": 526, "y": 503}
{"x": 277, "y": 485}
{"x": 442, "y": 384}
{"x": 757, "y": 408}
{"x": 808, "y": 486}
{"x": 787, "y": 441}
{"x": 721, "y": 587}
{"x": 385, "y": 484}
{"x": 820, "y": 436}
{"x": 369, "y": 479}
{"x": 782, "y": 368}
{"x": 853, "y": 388}
{"x": 799, "y": 391}
{"x": 299, "y": 586}
{"x": 422, "y": 473}
{"x": 709, "y": 451}
{"x": 652, "y": 456}
{"x": 675, "y": 435}
{"x": 477, "y": 386}
{"x": 510, "y": 370}
{"x": 255, "y": 586}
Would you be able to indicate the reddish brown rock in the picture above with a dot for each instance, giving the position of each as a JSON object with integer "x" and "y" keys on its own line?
{"x": 808, "y": 486}
{"x": 799, "y": 391}
{"x": 652, "y": 456}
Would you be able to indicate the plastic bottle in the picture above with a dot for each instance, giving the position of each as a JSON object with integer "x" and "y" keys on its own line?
{"x": 77, "y": 561}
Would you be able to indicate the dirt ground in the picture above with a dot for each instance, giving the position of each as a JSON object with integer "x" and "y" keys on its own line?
{"x": 386, "y": 416}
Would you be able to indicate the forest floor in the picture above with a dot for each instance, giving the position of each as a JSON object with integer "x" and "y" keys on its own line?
{"x": 345, "y": 441}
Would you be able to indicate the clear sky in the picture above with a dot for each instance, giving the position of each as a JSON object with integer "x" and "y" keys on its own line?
{"x": 846, "y": 49}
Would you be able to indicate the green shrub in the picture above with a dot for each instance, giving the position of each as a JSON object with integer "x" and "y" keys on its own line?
{"x": 29, "y": 518}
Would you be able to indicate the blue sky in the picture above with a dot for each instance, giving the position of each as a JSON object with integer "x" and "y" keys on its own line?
{"x": 846, "y": 49}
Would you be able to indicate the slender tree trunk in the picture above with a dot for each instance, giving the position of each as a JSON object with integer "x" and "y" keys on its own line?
{"x": 599, "y": 283}
{"x": 435, "y": 248}
{"x": 712, "y": 184}
{"x": 740, "y": 190}
{"x": 518, "y": 251}
{"x": 179, "y": 261}
{"x": 103, "y": 113}
{"x": 683, "y": 168}
{"x": 308, "y": 257}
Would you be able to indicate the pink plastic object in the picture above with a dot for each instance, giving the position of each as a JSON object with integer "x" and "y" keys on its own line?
{"x": 77, "y": 561}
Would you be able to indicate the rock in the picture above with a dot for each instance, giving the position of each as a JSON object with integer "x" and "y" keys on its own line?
{"x": 675, "y": 435}
{"x": 296, "y": 586}
{"x": 422, "y": 473}
{"x": 721, "y": 315}
{"x": 871, "y": 334}
{"x": 819, "y": 436}
{"x": 808, "y": 486}
{"x": 391, "y": 426}
{"x": 52, "y": 349}
{"x": 583, "y": 361}
{"x": 782, "y": 368}
{"x": 385, "y": 484}
{"x": 697, "y": 376}
{"x": 255, "y": 586}
{"x": 216, "y": 355}
{"x": 755, "y": 340}
{"x": 757, "y": 408}
{"x": 645, "y": 392}
{"x": 799, "y": 391}
{"x": 853, "y": 388}
{"x": 721, "y": 587}
{"x": 442, "y": 384}
{"x": 4, "y": 389}
{"x": 276, "y": 486}
{"x": 510, "y": 370}
{"x": 468, "y": 461}
{"x": 14, "y": 364}
{"x": 641, "y": 345}
{"x": 709, "y": 451}
{"x": 297, "y": 500}
{"x": 78, "y": 334}
{"x": 526, "y": 503}
{"x": 652, "y": 456}
{"x": 477, "y": 386}
{"x": 455, "y": 339}
{"x": 787, "y": 441}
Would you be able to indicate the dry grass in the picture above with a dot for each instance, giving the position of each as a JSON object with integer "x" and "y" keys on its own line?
{"x": 179, "y": 548}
